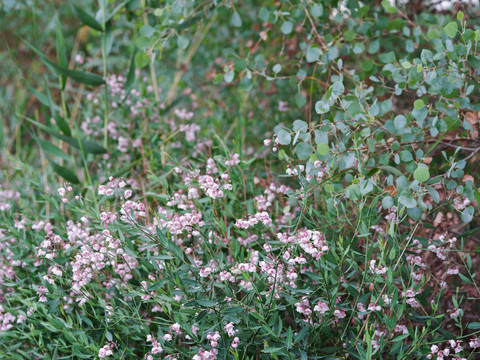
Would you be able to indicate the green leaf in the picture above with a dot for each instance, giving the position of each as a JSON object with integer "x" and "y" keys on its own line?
{"x": 300, "y": 100}
{"x": 451, "y": 29}
{"x": 206, "y": 303}
{"x": 112, "y": 13}
{"x": 304, "y": 151}
{"x": 323, "y": 149}
{"x": 400, "y": 337}
{"x": 300, "y": 125}
{"x": 313, "y": 54}
{"x": 415, "y": 213}
{"x": 61, "y": 51}
{"x": 474, "y": 326}
{"x": 157, "y": 285}
{"x": 85, "y": 18}
{"x": 337, "y": 89}
{"x": 88, "y": 146}
{"x": 80, "y": 76}
{"x": 175, "y": 250}
{"x": 421, "y": 174}
{"x": 52, "y": 149}
{"x": 236, "y": 19}
{"x": 407, "y": 200}
{"x": 418, "y": 104}
{"x": 321, "y": 107}
{"x": 387, "y": 58}
{"x": 107, "y": 41}
{"x": 284, "y": 137}
{"x": 130, "y": 82}
{"x": 287, "y": 27}
{"x": 62, "y": 125}
{"x": 273, "y": 350}
{"x": 467, "y": 214}
{"x": 433, "y": 194}
{"x": 64, "y": 172}
{"x": 141, "y": 60}
{"x": 387, "y": 202}
{"x": 387, "y": 6}
{"x": 317, "y": 10}
{"x": 460, "y": 15}
{"x": 302, "y": 334}
{"x": 289, "y": 339}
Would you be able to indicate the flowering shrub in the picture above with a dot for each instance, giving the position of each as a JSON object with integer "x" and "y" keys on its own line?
{"x": 286, "y": 181}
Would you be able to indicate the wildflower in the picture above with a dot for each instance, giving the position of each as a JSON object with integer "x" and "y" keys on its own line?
{"x": 229, "y": 329}
{"x": 104, "y": 352}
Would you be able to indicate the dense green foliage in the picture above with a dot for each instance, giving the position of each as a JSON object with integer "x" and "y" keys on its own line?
{"x": 239, "y": 180}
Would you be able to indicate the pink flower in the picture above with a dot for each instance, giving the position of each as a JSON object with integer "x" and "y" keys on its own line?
{"x": 229, "y": 329}
{"x": 104, "y": 352}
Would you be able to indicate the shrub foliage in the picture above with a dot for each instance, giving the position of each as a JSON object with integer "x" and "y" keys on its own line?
{"x": 241, "y": 180}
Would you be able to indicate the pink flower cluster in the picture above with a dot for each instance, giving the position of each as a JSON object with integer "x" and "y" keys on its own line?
{"x": 62, "y": 191}
{"x": 105, "y": 351}
{"x": 230, "y": 329}
{"x": 311, "y": 242}
{"x": 252, "y": 220}
{"x": 450, "y": 349}
{"x": 190, "y": 131}
{"x": 186, "y": 222}
{"x": 6, "y": 196}
{"x": 380, "y": 270}
{"x": 156, "y": 346}
{"x": 211, "y": 187}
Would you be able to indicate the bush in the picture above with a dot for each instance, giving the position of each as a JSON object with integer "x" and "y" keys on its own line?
{"x": 286, "y": 181}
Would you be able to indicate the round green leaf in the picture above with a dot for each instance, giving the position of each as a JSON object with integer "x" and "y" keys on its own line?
{"x": 313, "y": 54}
{"x": 323, "y": 148}
{"x": 304, "y": 150}
{"x": 300, "y": 125}
{"x": 284, "y": 137}
{"x": 407, "y": 200}
{"x": 300, "y": 100}
{"x": 419, "y": 104}
{"x": 451, "y": 29}
{"x": 321, "y": 107}
{"x": 287, "y": 27}
{"x": 421, "y": 174}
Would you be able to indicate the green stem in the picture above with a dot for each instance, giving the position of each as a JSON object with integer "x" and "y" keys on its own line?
{"x": 104, "y": 61}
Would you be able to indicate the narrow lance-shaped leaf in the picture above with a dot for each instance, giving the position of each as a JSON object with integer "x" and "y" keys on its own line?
{"x": 61, "y": 52}
{"x": 80, "y": 76}
{"x": 52, "y": 149}
{"x": 86, "y": 18}
{"x": 88, "y": 146}
{"x": 116, "y": 9}
{"x": 131, "y": 74}
{"x": 62, "y": 125}
{"x": 64, "y": 172}
{"x": 42, "y": 98}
